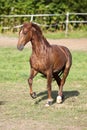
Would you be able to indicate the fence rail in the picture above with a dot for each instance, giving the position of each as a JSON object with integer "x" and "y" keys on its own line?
{"x": 66, "y": 22}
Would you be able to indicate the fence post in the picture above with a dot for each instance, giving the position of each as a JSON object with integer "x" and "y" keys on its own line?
{"x": 67, "y": 21}
{"x": 31, "y": 18}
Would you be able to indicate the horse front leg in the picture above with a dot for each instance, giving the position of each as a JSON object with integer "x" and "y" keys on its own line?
{"x": 49, "y": 81}
{"x": 30, "y": 81}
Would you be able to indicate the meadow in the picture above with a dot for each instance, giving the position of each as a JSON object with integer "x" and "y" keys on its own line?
{"x": 58, "y": 34}
{"x": 18, "y": 108}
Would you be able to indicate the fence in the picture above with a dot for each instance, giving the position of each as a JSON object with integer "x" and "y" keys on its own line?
{"x": 67, "y": 21}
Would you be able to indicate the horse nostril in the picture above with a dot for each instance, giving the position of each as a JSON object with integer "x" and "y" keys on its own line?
{"x": 20, "y": 47}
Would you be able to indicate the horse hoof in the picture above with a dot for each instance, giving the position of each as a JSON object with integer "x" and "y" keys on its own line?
{"x": 49, "y": 103}
{"x": 33, "y": 95}
{"x": 59, "y": 99}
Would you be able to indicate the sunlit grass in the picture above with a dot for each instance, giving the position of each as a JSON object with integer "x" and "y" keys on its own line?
{"x": 16, "y": 103}
{"x": 70, "y": 34}
{"x": 55, "y": 34}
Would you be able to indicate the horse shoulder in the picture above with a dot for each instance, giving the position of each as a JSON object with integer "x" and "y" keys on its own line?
{"x": 39, "y": 63}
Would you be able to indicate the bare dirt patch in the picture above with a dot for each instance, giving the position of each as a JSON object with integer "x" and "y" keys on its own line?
{"x": 72, "y": 44}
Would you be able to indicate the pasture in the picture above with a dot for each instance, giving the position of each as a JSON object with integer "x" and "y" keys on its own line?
{"x": 19, "y": 111}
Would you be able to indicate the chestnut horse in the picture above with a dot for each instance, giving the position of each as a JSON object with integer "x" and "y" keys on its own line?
{"x": 53, "y": 61}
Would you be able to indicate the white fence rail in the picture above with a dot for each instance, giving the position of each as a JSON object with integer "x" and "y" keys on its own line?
{"x": 67, "y": 21}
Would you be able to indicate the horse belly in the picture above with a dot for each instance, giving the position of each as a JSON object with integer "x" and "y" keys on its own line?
{"x": 58, "y": 66}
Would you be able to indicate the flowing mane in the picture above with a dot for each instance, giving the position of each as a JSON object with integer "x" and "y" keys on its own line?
{"x": 37, "y": 28}
{"x": 41, "y": 36}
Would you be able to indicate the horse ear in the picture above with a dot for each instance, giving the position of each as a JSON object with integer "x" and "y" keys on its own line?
{"x": 27, "y": 25}
{"x": 20, "y": 28}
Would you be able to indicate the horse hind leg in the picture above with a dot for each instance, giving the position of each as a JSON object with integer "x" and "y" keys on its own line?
{"x": 60, "y": 93}
{"x": 57, "y": 78}
{"x": 49, "y": 81}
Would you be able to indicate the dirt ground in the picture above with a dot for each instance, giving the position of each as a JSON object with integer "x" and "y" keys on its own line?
{"x": 72, "y": 44}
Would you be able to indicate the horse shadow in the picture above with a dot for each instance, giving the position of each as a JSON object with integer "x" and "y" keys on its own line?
{"x": 67, "y": 94}
{"x": 3, "y": 102}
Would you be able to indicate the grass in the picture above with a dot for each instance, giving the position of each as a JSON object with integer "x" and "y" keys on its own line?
{"x": 57, "y": 34}
{"x": 16, "y": 104}
{"x": 71, "y": 34}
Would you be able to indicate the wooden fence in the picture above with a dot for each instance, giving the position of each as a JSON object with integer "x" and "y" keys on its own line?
{"x": 67, "y": 20}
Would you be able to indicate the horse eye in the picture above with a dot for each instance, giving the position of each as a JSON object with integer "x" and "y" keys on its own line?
{"x": 24, "y": 33}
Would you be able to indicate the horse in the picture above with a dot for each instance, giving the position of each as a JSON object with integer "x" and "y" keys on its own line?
{"x": 53, "y": 61}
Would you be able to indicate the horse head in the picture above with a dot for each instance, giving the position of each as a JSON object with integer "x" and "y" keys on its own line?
{"x": 25, "y": 35}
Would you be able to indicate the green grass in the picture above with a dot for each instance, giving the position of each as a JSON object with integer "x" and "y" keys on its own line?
{"x": 56, "y": 34}
{"x": 71, "y": 34}
{"x": 15, "y": 102}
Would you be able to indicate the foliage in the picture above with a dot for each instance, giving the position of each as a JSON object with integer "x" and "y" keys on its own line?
{"x": 41, "y": 6}
{"x": 12, "y": 7}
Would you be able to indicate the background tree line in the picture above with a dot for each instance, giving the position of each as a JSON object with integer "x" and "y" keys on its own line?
{"x": 12, "y": 7}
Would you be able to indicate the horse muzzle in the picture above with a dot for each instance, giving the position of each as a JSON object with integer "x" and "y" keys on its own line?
{"x": 20, "y": 47}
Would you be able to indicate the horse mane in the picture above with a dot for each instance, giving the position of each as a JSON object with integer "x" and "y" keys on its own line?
{"x": 40, "y": 33}
{"x": 29, "y": 25}
{"x": 37, "y": 28}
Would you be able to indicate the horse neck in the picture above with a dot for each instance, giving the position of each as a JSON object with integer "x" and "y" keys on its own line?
{"x": 39, "y": 44}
